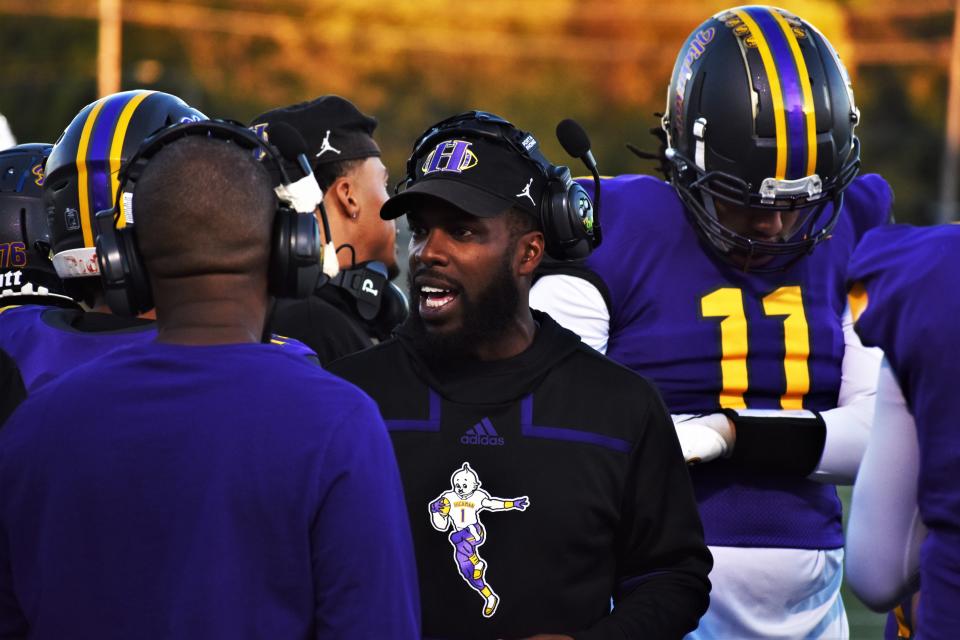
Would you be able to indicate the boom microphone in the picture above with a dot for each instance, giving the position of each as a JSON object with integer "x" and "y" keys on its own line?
{"x": 291, "y": 145}
{"x": 576, "y": 143}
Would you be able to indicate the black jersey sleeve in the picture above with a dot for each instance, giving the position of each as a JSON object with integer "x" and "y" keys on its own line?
{"x": 663, "y": 562}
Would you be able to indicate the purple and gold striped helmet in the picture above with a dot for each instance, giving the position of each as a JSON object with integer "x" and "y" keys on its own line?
{"x": 82, "y": 172}
{"x": 760, "y": 114}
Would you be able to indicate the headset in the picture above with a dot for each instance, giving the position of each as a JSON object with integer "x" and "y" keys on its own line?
{"x": 566, "y": 209}
{"x": 379, "y": 303}
{"x": 295, "y": 253}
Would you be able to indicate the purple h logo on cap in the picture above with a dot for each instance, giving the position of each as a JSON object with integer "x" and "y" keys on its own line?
{"x": 453, "y": 156}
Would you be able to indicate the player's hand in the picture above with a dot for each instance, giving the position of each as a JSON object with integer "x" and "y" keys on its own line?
{"x": 436, "y": 506}
{"x": 704, "y": 437}
{"x": 521, "y": 504}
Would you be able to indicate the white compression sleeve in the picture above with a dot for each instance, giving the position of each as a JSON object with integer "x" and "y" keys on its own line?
{"x": 885, "y": 531}
{"x": 848, "y": 425}
{"x": 576, "y": 305}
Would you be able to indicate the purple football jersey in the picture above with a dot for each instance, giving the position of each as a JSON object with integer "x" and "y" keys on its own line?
{"x": 711, "y": 337}
{"x": 909, "y": 275}
{"x": 44, "y": 343}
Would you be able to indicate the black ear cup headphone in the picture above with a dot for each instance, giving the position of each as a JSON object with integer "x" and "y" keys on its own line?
{"x": 295, "y": 255}
{"x": 566, "y": 209}
{"x": 379, "y": 302}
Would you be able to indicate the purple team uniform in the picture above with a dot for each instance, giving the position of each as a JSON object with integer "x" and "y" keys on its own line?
{"x": 683, "y": 317}
{"x": 46, "y": 341}
{"x": 913, "y": 302}
{"x": 230, "y": 491}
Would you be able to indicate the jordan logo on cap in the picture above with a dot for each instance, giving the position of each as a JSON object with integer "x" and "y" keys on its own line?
{"x": 526, "y": 193}
{"x": 326, "y": 146}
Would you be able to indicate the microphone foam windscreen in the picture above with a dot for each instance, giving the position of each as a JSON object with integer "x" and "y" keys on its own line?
{"x": 287, "y": 140}
{"x": 573, "y": 138}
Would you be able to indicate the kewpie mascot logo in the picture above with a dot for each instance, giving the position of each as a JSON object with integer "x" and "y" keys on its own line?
{"x": 459, "y": 510}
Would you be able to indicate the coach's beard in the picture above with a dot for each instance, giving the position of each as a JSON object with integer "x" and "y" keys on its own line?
{"x": 483, "y": 319}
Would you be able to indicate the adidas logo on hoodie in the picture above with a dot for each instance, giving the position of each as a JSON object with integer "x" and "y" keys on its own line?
{"x": 482, "y": 433}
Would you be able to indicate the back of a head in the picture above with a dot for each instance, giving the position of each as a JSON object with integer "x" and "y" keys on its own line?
{"x": 204, "y": 206}
{"x": 83, "y": 169}
{"x": 26, "y": 273}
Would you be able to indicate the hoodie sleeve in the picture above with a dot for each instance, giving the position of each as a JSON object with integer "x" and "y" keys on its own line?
{"x": 663, "y": 561}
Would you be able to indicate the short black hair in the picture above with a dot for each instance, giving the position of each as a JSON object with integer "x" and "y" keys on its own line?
{"x": 520, "y": 222}
{"x": 204, "y": 206}
{"x": 327, "y": 173}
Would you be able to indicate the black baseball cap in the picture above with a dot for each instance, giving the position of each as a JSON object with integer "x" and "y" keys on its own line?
{"x": 332, "y": 127}
{"x": 482, "y": 171}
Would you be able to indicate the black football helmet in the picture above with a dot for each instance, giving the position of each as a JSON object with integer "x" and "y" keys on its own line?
{"x": 83, "y": 169}
{"x": 26, "y": 273}
{"x": 760, "y": 114}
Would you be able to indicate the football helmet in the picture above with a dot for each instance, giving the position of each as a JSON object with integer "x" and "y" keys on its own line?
{"x": 760, "y": 115}
{"x": 83, "y": 169}
{"x": 26, "y": 273}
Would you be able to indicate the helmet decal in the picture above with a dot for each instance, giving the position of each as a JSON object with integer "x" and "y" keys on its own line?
{"x": 789, "y": 81}
{"x": 696, "y": 48}
{"x": 37, "y": 171}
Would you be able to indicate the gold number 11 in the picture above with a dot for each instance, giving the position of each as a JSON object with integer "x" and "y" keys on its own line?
{"x": 727, "y": 303}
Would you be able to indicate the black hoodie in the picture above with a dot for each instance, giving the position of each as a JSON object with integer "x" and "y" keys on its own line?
{"x": 583, "y": 492}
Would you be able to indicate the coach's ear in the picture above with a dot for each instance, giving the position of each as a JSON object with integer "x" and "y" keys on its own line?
{"x": 529, "y": 252}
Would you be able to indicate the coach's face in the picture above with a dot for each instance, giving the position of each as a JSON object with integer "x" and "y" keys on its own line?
{"x": 464, "y": 276}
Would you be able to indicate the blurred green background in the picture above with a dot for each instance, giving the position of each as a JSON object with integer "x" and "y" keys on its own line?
{"x": 605, "y": 63}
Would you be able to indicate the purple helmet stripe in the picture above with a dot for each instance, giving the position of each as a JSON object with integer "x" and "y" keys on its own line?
{"x": 98, "y": 153}
{"x": 791, "y": 90}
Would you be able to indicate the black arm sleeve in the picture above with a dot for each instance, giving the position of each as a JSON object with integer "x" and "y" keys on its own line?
{"x": 663, "y": 561}
{"x": 779, "y": 445}
{"x": 12, "y": 391}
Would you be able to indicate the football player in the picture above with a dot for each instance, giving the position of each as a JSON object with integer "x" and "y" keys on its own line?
{"x": 26, "y": 274}
{"x": 726, "y": 287}
{"x": 905, "y": 515}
